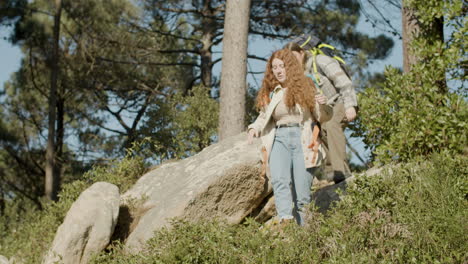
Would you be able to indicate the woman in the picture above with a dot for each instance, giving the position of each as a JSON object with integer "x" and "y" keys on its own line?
{"x": 289, "y": 109}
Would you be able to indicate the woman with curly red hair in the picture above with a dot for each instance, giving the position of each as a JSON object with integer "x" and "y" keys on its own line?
{"x": 289, "y": 109}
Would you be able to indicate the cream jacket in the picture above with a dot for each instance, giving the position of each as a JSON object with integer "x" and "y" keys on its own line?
{"x": 265, "y": 125}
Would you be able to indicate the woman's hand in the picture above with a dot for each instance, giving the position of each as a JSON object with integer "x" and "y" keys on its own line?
{"x": 252, "y": 133}
{"x": 321, "y": 99}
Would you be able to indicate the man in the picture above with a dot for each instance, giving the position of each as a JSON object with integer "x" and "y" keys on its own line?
{"x": 334, "y": 82}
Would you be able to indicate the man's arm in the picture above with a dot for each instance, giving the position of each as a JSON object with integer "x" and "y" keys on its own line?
{"x": 342, "y": 83}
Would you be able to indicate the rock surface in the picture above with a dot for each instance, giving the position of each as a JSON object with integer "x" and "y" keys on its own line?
{"x": 87, "y": 227}
{"x": 4, "y": 260}
{"x": 326, "y": 196}
{"x": 265, "y": 211}
{"x": 223, "y": 181}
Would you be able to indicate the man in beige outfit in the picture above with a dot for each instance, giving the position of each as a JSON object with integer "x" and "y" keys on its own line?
{"x": 336, "y": 85}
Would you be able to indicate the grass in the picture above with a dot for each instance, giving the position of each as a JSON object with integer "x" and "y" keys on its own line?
{"x": 415, "y": 214}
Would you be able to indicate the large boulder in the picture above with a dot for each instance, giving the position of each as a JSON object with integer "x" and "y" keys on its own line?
{"x": 88, "y": 225}
{"x": 221, "y": 182}
{"x": 265, "y": 211}
{"x": 4, "y": 260}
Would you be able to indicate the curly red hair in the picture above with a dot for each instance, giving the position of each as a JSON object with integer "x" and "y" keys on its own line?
{"x": 301, "y": 90}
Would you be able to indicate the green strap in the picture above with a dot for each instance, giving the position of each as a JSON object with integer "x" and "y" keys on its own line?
{"x": 305, "y": 43}
{"x": 315, "y": 82}
{"x": 332, "y": 48}
{"x": 314, "y": 53}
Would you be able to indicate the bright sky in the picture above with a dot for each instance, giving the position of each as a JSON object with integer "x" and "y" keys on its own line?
{"x": 10, "y": 58}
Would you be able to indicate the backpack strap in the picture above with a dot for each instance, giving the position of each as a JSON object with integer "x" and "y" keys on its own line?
{"x": 305, "y": 42}
{"x": 323, "y": 45}
{"x": 314, "y": 80}
{"x": 314, "y": 53}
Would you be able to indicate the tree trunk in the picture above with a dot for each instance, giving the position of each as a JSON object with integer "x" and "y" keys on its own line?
{"x": 2, "y": 202}
{"x": 234, "y": 68}
{"x": 206, "y": 58}
{"x": 437, "y": 31}
{"x": 209, "y": 25}
{"x": 59, "y": 137}
{"x": 410, "y": 28}
{"x": 52, "y": 176}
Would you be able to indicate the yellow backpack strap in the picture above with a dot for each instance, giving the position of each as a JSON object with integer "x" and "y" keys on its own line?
{"x": 323, "y": 45}
{"x": 317, "y": 50}
{"x": 305, "y": 42}
{"x": 339, "y": 59}
{"x": 314, "y": 53}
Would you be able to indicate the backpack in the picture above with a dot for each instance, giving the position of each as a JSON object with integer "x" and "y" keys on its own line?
{"x": 315, "y": 46}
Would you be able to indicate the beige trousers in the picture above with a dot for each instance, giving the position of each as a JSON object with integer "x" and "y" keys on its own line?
{"x": 336, "y": 168}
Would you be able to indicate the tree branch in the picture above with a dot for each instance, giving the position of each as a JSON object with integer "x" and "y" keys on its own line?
{"x": 141, "y": 112}
{"x": 162, "y": 32}
{"x": 256, "y": 58}
{"x": 33, "y": 199}
{"x": 270, "y": 35}
{"x": 148, "y": 63}
{"x": 33, "y": 79}
{"x": 100, "y": 125}
{"x": 387, "y": 22}
{"x": 25, "y": 138}
{"x": 356, "y": 153}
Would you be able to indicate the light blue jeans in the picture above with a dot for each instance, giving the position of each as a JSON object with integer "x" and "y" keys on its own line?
{"x": 290, "y": 179}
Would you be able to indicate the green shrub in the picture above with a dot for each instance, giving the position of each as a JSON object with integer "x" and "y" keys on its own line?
{"x": 31, "y": 238}
{"x": 400, "y": 123}
{"x": 413, "y": 213}
{"x": 424, "y": 110}
{"x": 195, "y": 121}
{"x": 180, "y": 125}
